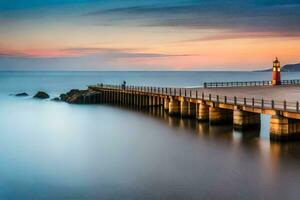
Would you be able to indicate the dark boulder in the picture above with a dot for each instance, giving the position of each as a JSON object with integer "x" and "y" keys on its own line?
{"x": 23, "y": 94}
{"x": 63, "y": 97}
{"x": 41, "y": 95}
{"x": 74, "y": 96}
{"x": 79, "y": 96}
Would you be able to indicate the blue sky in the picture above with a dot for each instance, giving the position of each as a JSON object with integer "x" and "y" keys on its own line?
{"x": 147, "y": 35}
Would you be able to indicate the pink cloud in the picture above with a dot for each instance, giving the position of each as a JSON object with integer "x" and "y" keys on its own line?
{"x": 61, "y": 53}
{"x": 37, "y": 53}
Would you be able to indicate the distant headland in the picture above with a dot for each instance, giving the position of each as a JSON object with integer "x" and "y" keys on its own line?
{"x": 285, "y": 68}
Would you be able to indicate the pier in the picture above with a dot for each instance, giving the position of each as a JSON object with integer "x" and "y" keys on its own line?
{"x": 241, "y": 106}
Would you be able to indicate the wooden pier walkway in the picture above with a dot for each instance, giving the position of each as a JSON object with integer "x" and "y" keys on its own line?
{"x": 241, "y": 106}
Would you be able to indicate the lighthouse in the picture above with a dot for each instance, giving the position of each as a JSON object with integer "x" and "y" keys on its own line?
{"x": 276, "y": 73}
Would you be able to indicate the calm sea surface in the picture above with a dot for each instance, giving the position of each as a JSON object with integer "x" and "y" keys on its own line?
{"x": 52, "y": 150}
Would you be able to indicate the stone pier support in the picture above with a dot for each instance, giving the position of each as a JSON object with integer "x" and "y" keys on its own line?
{"x": 174, "y": 107}
{"x": 150, "y": 101}
{"x": 282, "y": 128}
{"x": 243, "y": 120}
{"x": 166, "y": 103}
{"x": 127, "y": 99}
{"x": 184, "y": 108}
{"x": 116, "y": 97}
{"x": 110, "y": 97}
{"x": 219, "y": 115}
{"x": 155, "y": 101}
{"x": 156, "y": 104}
{"x": 161, "y": 101}
{"x": 132, "y": 96}
{"x": 119, "y": 98}
{"x": 112, "y": 101}
{"x": 136, "y": 100}
{"x": 192, "y": 109}
{"x": 202, "y": 113}
{"x": 122, "y": 98}
{"x": 105, "y": 97}
{"x": 139, "y": 101}
{"x": 142, "y": 99}
{"x": 146, "y": 101}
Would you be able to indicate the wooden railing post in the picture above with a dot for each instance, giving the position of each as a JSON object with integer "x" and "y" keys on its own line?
{"x": 262, "y": 103}
{"x": 235, "y": 100}
{"x": 225, "y": 99}
{"x": 273, "y": 104}
{"x": 209, "y": 97}
{"x": 253, "y": 102}
{"x": 297, "y": 106}
{"x": 202, "y": 95}
{"x": 245, "y": 101}
{"x": 284, "y": 105}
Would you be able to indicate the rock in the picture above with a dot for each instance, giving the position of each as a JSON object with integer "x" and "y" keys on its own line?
{"x": 75, "y": 96}
{"x": 23, "y": 94}
{"x": 55, "y": 99}
{"x": 63, "y": 97}
{"x": 41, "y": 95}
{"x": 74, "y": 91}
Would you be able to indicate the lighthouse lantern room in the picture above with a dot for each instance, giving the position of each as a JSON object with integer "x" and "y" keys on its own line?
{"x": 276, "y": 73}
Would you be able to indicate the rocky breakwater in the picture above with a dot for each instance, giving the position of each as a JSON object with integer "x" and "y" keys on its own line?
{"x": 76, "y": 96}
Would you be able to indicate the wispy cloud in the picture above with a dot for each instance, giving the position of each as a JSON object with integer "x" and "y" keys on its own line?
{"x": 243, "y": 35}
{"x": 81, "y": 52}
{"x": 271, "y": 17}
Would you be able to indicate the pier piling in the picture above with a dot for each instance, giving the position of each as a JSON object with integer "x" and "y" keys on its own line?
{"x": 241, "y": 112}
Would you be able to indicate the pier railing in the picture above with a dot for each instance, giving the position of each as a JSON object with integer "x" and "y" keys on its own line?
{"x": 247, "y": 83}
{"x": 195, "y": 94}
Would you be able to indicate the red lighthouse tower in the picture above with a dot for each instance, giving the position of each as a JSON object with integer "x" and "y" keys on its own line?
{"x": 276, "y": 73}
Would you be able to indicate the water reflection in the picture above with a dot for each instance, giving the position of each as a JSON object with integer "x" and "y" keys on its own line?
{"x": 107, "y": 152}
{"x": 250, "y": 141}
{"x": 204, "y": 129}
{"x": 285, "y": 150}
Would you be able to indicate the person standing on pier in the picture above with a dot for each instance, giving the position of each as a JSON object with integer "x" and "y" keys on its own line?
{"x": 124, "y": 85}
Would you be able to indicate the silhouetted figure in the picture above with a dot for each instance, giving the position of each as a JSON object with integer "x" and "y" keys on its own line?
{"x": 124, "y": 85}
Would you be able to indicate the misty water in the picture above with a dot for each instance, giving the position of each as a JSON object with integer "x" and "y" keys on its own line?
{"x": 53, "y": 150}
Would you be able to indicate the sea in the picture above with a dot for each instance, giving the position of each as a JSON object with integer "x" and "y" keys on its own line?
{"x": 54, "y": 150}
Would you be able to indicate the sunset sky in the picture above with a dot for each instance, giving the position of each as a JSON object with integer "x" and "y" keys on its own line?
{"x": 148, "y": 34}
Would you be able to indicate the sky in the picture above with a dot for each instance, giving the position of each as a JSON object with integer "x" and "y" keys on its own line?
{"x": 148, "y": 34}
